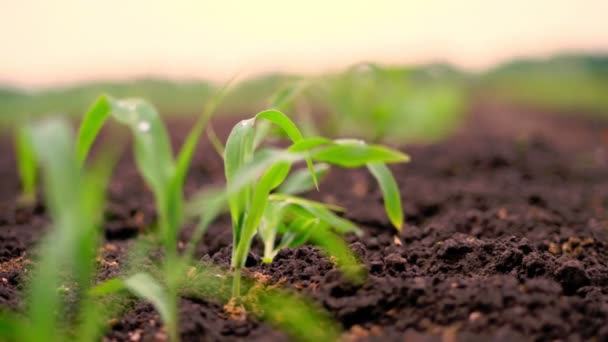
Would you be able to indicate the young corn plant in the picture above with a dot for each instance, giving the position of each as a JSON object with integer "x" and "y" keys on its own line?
{"x": 165, "y": 175}
{"x": 26, "y": 166}
{"x": 256, "y": 209}
{"x": 66, "y": 260}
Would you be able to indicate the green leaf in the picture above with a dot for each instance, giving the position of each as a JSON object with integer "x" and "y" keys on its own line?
{"x": 153, "y": 152}
{"x": 209, "y": 205}
{"x": 299, "y": 230}
{"x": 320, "y": 211}
{"x": 298, "y": 317}
{"x": 10, "y": 327}
{"x": 301, "y": 181}
{"x": 355, "y": 154}
{"x": 26, "y": 163}
{"x": 108, "y": 287}
{"x": 290, "y": 199}
{"x": 390, "y": 192}
{"x": 93, "y": 120}
{"x": 335, "y": 246}
{"x": 238, "y": 152}
{"x": 271, "y": 179}
{"x": 147, "y": 288}
{"x": 72, "y": 195}
{"x": 309, "y": 143}
{"x": 292, "y": 132}
{"x": 287, "y": 94}
{"x": 269, "y": 226}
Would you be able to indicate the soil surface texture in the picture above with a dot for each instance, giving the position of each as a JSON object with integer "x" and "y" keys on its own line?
{"x": 506, "y": 239}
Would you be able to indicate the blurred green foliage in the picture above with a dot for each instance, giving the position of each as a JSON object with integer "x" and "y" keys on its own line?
{"x": 564, "y": 83}
{"x": 393, "y": 103}
{"x": 175, "y": 97}
{"x": 370, "y": 101}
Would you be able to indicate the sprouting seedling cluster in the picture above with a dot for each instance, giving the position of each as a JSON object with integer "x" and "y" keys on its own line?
{"x": 260, "y": 193}
{"x": 74, "y": 197}
{"x": 256, "y": 209}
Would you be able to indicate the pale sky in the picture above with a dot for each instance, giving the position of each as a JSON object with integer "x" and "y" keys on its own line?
{"x": 49, "y": 42}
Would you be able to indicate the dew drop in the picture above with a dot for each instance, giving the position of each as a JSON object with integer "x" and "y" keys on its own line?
{"x": 143, "y": 126}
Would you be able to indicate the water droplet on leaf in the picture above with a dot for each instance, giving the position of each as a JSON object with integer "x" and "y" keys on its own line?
{"x": 143, "y": 126}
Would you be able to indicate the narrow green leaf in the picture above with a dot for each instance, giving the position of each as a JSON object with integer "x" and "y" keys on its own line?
{"x": 301, "y": 181}
{"x": 299, "y": 230}
{"x": 26, "y": 163}
{"x": 309, "y": 143}
{"x": 339, "y": 224}
{"x": 271, "y": 179}
{"x": 215, "y": 141}
{"x": 287, "y": 94}
{"x": 68, "y": 250}
{"x": 292, "y": 132}
{"x": 298, "y": 317}
{"x": 355, "y": 154}
{"x": 108, "y": 287}
{"x": 335, "y": 246}
{"x": 290, "y": 199}
{"x": 209, "y": 206}
{"x": 318, "y": 210}
{"x": 147, "y": 288}
{"x": 390, "y": 192}
{"x": 10, "y": 327}
{"x": 93, "y": 120}
{"x": 238, "y": 152}
{"x": 153, "y": 152}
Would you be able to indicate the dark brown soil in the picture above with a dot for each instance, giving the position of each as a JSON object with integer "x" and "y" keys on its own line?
{"x": 506, "y": 239}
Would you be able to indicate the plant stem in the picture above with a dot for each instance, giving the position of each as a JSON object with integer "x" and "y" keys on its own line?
{"x": 268, "y": 250}
{"x": 236, "y": 283}
{"x": 172, "y": 270}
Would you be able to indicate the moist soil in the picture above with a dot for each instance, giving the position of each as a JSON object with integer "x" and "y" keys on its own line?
{"x": 506, "y": 239}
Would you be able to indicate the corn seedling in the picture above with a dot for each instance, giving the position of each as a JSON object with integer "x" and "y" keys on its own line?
{"x": 66, "y": 261}
{"x": 163, "y": 173}
{"x": 254, "y": 209}
{"x": 26, "y": 165}
{"x": 384, "y": 103}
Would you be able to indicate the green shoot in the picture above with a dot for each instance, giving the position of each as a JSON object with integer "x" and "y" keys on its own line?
{"x": 26, "y": 163}
{"x": 155, "y": 161}
{"x": 390, "y": 103}
{"x": 254, "y": 209}
{"x": 165, "y": 175}
{"x": 74, "y": 198}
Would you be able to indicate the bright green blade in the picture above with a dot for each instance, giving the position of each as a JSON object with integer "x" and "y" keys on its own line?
{"x": 390, "y": 192}
{"x": 153, "y": 152}
{"x": 70, "y": 247}
{"x": 238, "y": 152}
{"x": 107, "y": 287}
{"x": 143, "y": 286}
{"x": 339, "y": 224}
{"x": 318, "y": 210}
{"x": 298, "y": 317}
{"x": 292, "y": 132}
{"x": 298, "y": 232}
{"x": 187, "y": 151}
{"x": 10, "y": 327}
{"x": 147, "y": 288}
{"x": 301, "y": 180}
{"x": 309, "y": 143}
{"x": 271, "y": 179}
{"x": 287, "y": 94}
{"x": 356, "y": 154}
{"x": 335, "y": 246}
{"x": 209, "y": 206}
{"x": 290, "y": 199}
{"x": 92, "y": 123}
{"x": 26, "y": 165}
